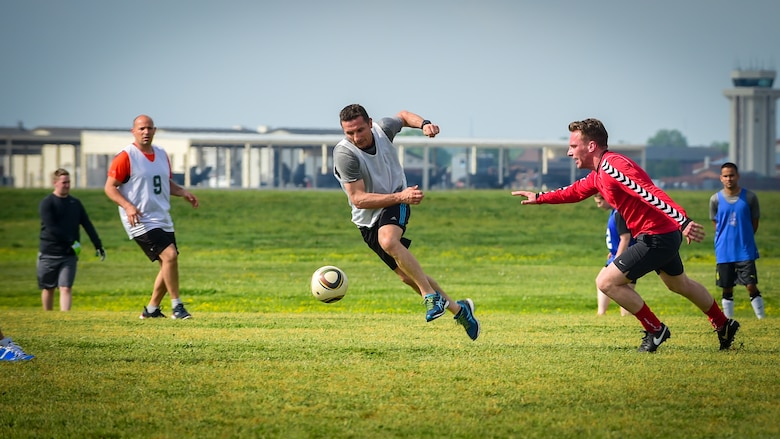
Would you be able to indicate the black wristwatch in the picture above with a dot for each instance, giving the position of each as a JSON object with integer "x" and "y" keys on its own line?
{"x": 425, "y": 122}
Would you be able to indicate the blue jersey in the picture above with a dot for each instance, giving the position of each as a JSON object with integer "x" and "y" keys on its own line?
{"x": 734, "y": 237}
{"x": 616, "y": 226}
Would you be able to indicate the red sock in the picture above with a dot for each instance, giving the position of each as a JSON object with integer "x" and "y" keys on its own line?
{"x": 648, "y": 320}
{"x": 716, "y": 316}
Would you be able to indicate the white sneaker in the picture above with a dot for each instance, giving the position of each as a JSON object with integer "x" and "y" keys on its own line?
{"x": 758, "y": 306}
{"x": 728, "y": 307}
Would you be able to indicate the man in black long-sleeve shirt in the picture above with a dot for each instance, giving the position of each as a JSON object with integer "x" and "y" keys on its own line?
{"x": 61, "y": 216}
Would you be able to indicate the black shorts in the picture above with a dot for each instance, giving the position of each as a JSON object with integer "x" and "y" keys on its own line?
{"x": 633, "y": 281}
{"x": 652, "y": 252}
{"x": 732, "y": 273}
{"x": 397, "y": 215}
{"x": 154, "y": 242}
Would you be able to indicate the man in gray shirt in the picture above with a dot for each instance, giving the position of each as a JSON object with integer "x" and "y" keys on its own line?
{"x": 367, "y": 167}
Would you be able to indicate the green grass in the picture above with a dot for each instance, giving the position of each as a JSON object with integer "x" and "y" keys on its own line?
{"x": 262, "y": 358}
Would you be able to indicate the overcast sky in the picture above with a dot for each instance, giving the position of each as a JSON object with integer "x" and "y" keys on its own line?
{"x": 490, "y": 68}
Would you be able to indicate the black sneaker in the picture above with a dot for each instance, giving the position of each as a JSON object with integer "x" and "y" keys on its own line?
{"x": 152, "y": 315}
{"x": 726, "y": 334}
{"x": 652, "y": 340}
{"x": 180, "y": 313}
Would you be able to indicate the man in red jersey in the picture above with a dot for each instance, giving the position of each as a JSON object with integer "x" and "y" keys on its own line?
{"x": 655, "y": 220}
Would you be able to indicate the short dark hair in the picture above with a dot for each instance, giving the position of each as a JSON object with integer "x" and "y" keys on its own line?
{"x": 729, "y": 165}
{"x": 352, "y": 112}
{"x": 591, "y": 129}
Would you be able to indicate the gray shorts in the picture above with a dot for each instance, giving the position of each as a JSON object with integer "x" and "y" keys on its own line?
{"x": 56, "y": 271}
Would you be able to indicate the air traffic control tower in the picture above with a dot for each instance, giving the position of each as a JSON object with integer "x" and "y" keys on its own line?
{"x": 753, "y": 121}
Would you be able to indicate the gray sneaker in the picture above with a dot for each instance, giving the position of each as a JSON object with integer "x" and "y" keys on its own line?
{"x": 180, "y": 313}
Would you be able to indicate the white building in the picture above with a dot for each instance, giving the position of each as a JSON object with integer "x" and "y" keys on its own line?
{"x": 753, "y": 119}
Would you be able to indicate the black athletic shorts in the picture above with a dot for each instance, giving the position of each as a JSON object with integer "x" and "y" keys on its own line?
{"x": 729, "y": 274}
{"x": 154, "y": 242}
{"x": 652, "y": 252}
{"x": 397, "y": 215}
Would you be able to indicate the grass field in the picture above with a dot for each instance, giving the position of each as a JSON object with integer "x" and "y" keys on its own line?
{"x": 263, "y": 358}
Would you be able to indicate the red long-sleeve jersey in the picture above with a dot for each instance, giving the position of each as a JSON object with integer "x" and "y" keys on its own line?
{"x": 629, "y": 189}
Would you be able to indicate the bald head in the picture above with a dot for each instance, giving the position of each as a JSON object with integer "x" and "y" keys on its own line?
{"x": 143, "y": 119}
{"x": 143, "y": 131}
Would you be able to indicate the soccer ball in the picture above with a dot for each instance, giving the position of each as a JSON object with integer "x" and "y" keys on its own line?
{"x": 329, "y": 284}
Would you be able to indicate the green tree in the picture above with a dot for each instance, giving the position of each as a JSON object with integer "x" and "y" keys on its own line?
{"x": 668, "y": 138}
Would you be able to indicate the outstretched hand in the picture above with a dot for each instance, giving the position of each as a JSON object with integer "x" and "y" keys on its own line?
{"x": 694, "y": 232}
{"x": 531, "y": 196}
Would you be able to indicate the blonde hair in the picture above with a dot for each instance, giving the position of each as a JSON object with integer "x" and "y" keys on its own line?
{"x": 59, "y": 173}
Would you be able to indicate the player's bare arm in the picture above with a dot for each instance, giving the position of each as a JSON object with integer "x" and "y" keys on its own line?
{"x": 412, "y": 120}
{"x": 356, "y": 191}
{"x": 179, "y": 191}
{"x": 112, "y": 192}
{"x": 623, "y": 244}
{"x": 531, "y": 196}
